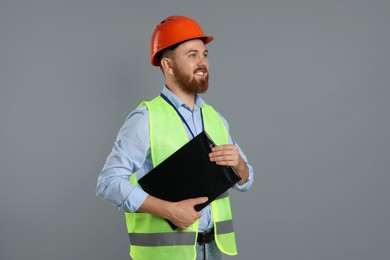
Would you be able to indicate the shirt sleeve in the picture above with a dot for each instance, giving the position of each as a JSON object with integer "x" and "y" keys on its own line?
{"x": 130, "y": 155}
{"x": 245, "y": 186}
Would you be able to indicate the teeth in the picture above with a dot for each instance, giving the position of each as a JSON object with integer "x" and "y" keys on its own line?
{"x": 200, "y": 73}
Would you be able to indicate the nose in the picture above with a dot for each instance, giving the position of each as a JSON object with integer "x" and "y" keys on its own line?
{"x": 202, "y": 61}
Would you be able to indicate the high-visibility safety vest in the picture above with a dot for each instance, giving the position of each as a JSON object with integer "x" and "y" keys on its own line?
{"x": 151, "y": 237}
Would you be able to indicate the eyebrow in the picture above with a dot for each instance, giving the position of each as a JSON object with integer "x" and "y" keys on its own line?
{"x": 206, "y": 50}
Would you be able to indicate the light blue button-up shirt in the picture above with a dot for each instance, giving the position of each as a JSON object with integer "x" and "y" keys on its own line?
{"x": 131, "y": 155}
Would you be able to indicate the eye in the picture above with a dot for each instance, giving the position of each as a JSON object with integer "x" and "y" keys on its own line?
{"x": 193, "y": 55}
{"x": 205, "y": 54}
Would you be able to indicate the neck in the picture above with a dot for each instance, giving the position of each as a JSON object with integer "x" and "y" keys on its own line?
{"x": 187, "y": 98}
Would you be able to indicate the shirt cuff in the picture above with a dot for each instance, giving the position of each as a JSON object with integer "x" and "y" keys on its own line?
{"x": 134, "y": 201}
{"x": 245, "y": 186}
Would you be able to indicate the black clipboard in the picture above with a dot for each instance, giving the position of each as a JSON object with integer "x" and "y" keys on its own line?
{"x": 188, "y": 173}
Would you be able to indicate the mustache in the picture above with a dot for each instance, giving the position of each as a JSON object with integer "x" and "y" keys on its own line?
{"x": 201, "y": 68}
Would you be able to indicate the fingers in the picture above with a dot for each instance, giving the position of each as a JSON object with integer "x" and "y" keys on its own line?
{"x": 184, "y": 213}
{"x": 224, "y": 150}
{"x": 225, "y": 155}
{"x": 194, "y": 202}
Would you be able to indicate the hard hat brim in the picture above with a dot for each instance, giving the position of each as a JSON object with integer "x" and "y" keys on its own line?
{"x": 205, "y": 38}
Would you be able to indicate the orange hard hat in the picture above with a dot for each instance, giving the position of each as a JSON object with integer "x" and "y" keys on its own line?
{"x": 173, "y": 30}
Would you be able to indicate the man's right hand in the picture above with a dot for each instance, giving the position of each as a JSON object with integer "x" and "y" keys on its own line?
{"x": 182, "y": 213}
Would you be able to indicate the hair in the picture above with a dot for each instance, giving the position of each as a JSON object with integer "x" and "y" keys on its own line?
{"x": 167, "y": 53}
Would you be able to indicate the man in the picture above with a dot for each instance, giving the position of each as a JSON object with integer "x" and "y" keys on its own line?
{"x": 154, "y": 131}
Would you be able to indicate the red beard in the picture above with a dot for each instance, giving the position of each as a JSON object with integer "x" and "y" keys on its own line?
{"x": 189, "y": 83}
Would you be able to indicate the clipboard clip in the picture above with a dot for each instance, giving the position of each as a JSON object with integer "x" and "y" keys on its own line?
{"x": 210, "y": 141}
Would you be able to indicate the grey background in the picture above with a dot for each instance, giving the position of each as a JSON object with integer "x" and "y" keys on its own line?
{"x": 304, "y": 85}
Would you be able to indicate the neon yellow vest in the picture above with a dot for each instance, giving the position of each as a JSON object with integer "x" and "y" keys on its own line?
{"x": 151, "y": 237}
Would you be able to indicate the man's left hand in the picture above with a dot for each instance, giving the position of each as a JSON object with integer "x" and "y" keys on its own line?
{"x": 228, "y": 155}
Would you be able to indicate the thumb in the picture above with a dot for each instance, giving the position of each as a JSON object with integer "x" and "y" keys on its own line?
{"x": 199, "y": 200}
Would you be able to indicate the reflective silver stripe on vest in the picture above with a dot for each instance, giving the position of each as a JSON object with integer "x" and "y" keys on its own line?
{"x": 224, "y": 227}
{"x": 163, "y": 239}
{"x": 223, "y": 195}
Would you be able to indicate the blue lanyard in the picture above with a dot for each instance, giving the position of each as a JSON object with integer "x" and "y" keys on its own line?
{"x": 181, "y": 116}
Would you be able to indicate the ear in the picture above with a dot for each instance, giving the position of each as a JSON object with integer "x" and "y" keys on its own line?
{"x": 166, "y": 65}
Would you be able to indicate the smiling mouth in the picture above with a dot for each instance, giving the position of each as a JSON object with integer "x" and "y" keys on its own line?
{"x": 201, "y": 72}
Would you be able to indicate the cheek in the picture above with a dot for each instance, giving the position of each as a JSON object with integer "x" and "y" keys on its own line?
{"x": 192, "y": 66}
{"x": 190, "y": 69}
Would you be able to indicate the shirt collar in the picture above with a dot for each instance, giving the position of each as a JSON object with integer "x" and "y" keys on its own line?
{"x": 177, "y": 101}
